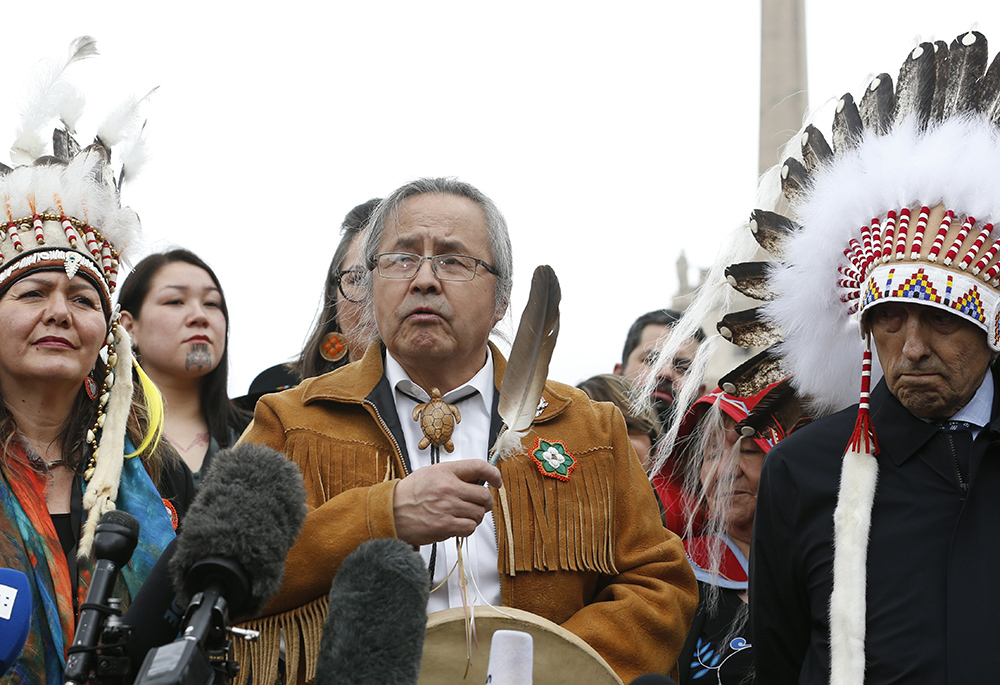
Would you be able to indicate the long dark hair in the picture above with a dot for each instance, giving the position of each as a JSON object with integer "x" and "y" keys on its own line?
{"x": 310, "y": 362}
{"x": 219, "y": 411}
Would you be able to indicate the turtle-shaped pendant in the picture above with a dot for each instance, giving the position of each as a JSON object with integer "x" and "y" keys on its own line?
{"x": 437, "y": 420}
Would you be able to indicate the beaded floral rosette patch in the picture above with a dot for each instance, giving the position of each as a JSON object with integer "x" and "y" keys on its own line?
{"x": 553, "y": 459}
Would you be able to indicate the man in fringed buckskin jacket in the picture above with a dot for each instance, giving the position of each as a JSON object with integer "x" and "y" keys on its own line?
{"x": 396, "y": 445}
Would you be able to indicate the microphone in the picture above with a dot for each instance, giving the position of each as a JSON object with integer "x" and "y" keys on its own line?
{"x": 653, "y": 679}
{"x": 512, "y": 656}
{"x": 374, "y": 631}
{"x": 15, "y": 616}
{"x": 229, "y": 558}
{"x": 115, "y": 539}
{"x": 156, "y": 613}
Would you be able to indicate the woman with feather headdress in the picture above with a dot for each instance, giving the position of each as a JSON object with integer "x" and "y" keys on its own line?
{"x": 77, "y": 440}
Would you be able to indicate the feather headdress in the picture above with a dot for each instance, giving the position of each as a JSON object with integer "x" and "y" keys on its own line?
{"x": 900, "y": 205}
{"x": 901, "y": 208}
{"x": 60, "y": 211}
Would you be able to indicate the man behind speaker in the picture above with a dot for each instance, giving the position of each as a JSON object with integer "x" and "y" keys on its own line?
{"x": 581, "y": 545}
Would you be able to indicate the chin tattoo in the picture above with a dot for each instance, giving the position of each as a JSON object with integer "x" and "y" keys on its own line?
{"x": 199, "y": 357}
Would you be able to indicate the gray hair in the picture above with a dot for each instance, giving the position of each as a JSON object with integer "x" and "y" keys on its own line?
{"x": 501, "y": 252}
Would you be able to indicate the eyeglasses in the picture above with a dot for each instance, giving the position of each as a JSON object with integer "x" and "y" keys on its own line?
{"x": 447, "y": 267}
{"x": 678, "y": 364}
{"x": 350, "y": 283}
{"x": 681, "y": 365}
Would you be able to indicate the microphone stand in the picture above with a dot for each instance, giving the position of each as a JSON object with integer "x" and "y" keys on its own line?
{"x": 202, "y": 654}
{"x": 115, "y": 539}
{"x": 113, "y": 667}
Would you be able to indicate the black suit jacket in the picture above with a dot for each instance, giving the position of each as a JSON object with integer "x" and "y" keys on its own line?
{"x": 933, "y": 585}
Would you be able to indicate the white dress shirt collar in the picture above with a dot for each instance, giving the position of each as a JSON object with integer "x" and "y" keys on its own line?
{"x": 482, "y": 382}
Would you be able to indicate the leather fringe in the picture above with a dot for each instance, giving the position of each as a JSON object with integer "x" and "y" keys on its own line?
{"x": 568, "y": 525}
{"x": 332, "y": 469}
{"x": 508, "y": 531}
{"x": 302, "y": 629}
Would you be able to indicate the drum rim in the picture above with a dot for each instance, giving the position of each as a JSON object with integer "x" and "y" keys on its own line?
{"x": 527, "y": 618}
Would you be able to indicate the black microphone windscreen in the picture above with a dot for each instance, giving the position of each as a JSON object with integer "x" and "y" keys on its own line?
{"x": 116, "y": 537}
{"x": 249, "y": 510}
{"x": 374, "y": 631}
{"x": 653, "y": 679}
{"x": 121, "y": 518}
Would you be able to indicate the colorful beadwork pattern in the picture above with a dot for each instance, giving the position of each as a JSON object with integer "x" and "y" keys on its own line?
{"x": 971, "y": 305}
{"x": 553, "y": 459}
{"x": 918, "y": 287}
{"x": 923, "y": 285}
{"x": 872, "y": 292}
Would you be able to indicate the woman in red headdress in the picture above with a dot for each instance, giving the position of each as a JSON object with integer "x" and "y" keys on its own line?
{"x": 716, "y": 464}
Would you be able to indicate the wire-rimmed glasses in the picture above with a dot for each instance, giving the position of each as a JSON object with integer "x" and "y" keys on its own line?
{"x": 350, "y": 283}
{"x": 447, "y": 267}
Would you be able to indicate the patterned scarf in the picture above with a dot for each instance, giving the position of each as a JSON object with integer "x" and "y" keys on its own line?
{"x": 733, "y": 566}
{"x": 29, "y": 543}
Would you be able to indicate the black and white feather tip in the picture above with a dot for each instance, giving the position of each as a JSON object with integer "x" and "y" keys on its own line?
{"x": 753, "y": 375}
{"x": 771, "y": 229}
{"x": 915, "y": 85}
{"x": 967, "y": 60}
{"x": 847, "y": 127}
{"x": 878, "y": 105}
{"x": 751, "y": 279}
{"x": 747, "y": 329}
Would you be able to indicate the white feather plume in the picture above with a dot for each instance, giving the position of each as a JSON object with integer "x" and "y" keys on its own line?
{"x": 134, "y": 157}
{"x": 122, "y": 228}
{"x": 48, "y": 97}
{"x": 70, "y": 109}
{"x": 713, "y": 299}
{"x": 17, "y": 187}
{"x": 95, "y": 199}
{"x": 45, "y": 188}
{"x": 124, "y": 122}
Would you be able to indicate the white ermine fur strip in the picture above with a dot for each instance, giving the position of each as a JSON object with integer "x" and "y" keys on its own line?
{"x": 102, "y": 491}
{"x": 851, "y": 524}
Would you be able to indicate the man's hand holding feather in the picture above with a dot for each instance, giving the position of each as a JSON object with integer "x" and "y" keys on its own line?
{"x": 442, "y": 501}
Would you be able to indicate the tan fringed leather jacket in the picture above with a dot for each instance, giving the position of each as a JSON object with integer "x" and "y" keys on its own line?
{"x": 589, "y": 553}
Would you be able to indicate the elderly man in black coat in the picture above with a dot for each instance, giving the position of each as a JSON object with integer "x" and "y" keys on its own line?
{"x": 876, "y": 548}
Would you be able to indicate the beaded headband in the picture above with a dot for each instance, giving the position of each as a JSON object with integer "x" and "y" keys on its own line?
{"x": 936, "y": 259}
{"x": 76, "y": 231}
{"x": 44, "y": 238}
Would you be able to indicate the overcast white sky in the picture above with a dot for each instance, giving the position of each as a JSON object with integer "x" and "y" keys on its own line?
{"x": 612, "y": 135}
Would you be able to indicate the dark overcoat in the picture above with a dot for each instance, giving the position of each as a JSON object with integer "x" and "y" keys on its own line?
{"x": 933, "y": 585}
